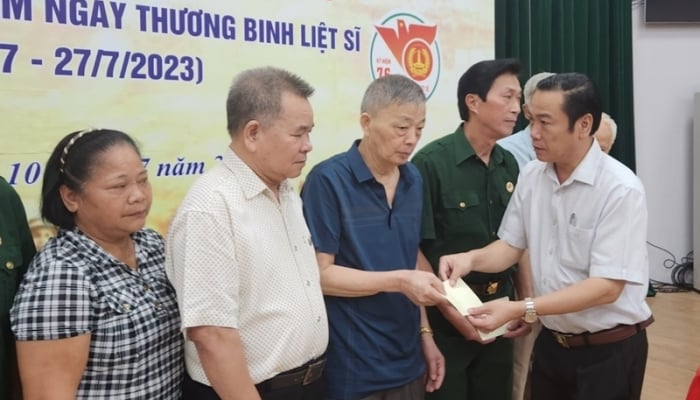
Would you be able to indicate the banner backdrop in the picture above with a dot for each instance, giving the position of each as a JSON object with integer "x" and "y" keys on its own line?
{"x": 160, "y": 71}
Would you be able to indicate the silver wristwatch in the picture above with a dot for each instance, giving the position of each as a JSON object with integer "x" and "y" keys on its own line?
{"x": 530, "y": 312}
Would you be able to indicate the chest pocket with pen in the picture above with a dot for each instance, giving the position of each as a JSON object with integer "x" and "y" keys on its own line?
{"x": 577, "y": 243}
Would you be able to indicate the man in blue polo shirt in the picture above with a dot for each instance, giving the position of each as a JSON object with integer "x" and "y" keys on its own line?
{"x": 363, "y": 208}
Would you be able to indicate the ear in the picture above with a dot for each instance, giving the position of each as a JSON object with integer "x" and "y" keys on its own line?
{"x": 585, "y": 123}
{"x": 251, "y": 133}
{"x": 472, "y": 101}
{"x": 70, "y": 198}
{"x": 526, "y": 112}
{"x": 365, "y": 122}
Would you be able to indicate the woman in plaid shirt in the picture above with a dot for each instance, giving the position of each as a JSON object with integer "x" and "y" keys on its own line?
{"x": 95, "y": 316}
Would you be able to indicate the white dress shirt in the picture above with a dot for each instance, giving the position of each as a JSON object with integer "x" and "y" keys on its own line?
{"x": 592, "y": 225}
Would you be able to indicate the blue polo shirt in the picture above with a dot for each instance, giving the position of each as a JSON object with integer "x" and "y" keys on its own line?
{"x": 374, "y": 340}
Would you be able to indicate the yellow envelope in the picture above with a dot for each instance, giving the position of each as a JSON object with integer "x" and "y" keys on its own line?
{"x": 462, "y": 297}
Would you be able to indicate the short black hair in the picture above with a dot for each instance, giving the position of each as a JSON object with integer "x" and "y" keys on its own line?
{"x": 581, "y": 97}
{"x": 479, "y": 78}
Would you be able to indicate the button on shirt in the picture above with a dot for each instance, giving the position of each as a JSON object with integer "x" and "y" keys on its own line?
{"x": 592, "y": 225}
{"x": 73, "y": 287}
{"x": 375, "y": 340}
{"x": 463, "y": 203}
{"x": 239, "y": 258}
{"x": 16, "y": 251}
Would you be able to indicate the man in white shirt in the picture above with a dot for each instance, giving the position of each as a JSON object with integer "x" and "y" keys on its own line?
{"x": 520, "y": 145}
{"x": 240, "y": 255}
{"x": 583, "y": 217}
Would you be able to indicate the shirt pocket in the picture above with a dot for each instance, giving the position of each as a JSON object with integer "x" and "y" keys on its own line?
{"x": 576, "y": 248}
{"x": 458, "y": 206}
{"x": 164, "y": 298}
{"x": 117, "y": 341}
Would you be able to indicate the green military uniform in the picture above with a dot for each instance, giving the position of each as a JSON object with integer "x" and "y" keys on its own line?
{"x": 463, "y": 203}
{"x": 16, "y": 251}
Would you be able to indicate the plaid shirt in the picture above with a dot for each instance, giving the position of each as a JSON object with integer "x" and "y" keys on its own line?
{"x": 73, "y": 287}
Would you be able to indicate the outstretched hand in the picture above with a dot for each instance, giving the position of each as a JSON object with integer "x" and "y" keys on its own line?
{"x": 461, "y": 323}
{"x": 423, "y": 288}
{"x": 494, "y": 314}
{"x": 455, "y": 266}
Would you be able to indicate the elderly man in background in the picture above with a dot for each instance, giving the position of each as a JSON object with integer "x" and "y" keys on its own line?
{"x": 607, "y": 133}
{"x": 520, "y": 143}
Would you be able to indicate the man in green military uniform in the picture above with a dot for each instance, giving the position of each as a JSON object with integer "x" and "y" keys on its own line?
{"x": 16, "y": 251}
{"x": 468, "y": 180}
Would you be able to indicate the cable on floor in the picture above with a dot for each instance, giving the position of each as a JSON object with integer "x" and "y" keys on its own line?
{"x": 681, "y": 273}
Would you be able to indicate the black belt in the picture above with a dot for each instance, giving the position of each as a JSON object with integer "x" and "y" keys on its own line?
{"x": 301, "y": 376}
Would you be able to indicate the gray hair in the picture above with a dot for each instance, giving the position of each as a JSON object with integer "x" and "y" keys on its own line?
{"x": 391, "y": 89}
{"x": 531, "y": 85}
{"x": 613, "y": 126}
{"x": 256, "y": 94}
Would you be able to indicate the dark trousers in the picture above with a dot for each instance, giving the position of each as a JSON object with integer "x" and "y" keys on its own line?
{"x": 474, "y": 370}
{"x": 613, "y": 371}
{"x": 193, "y": 390}
{"x": 411, "y": 391}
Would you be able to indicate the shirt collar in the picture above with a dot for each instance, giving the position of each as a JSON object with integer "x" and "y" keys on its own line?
{"x": 361, "y": 171}
{"x": 464, "y": 149}
{"x": 86, "y": 246}
{"x": 586, "y": 170}
{"x": 357, "y": 164}
{"x": 83, "y": 244}
{"x": 250, "y": 182}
